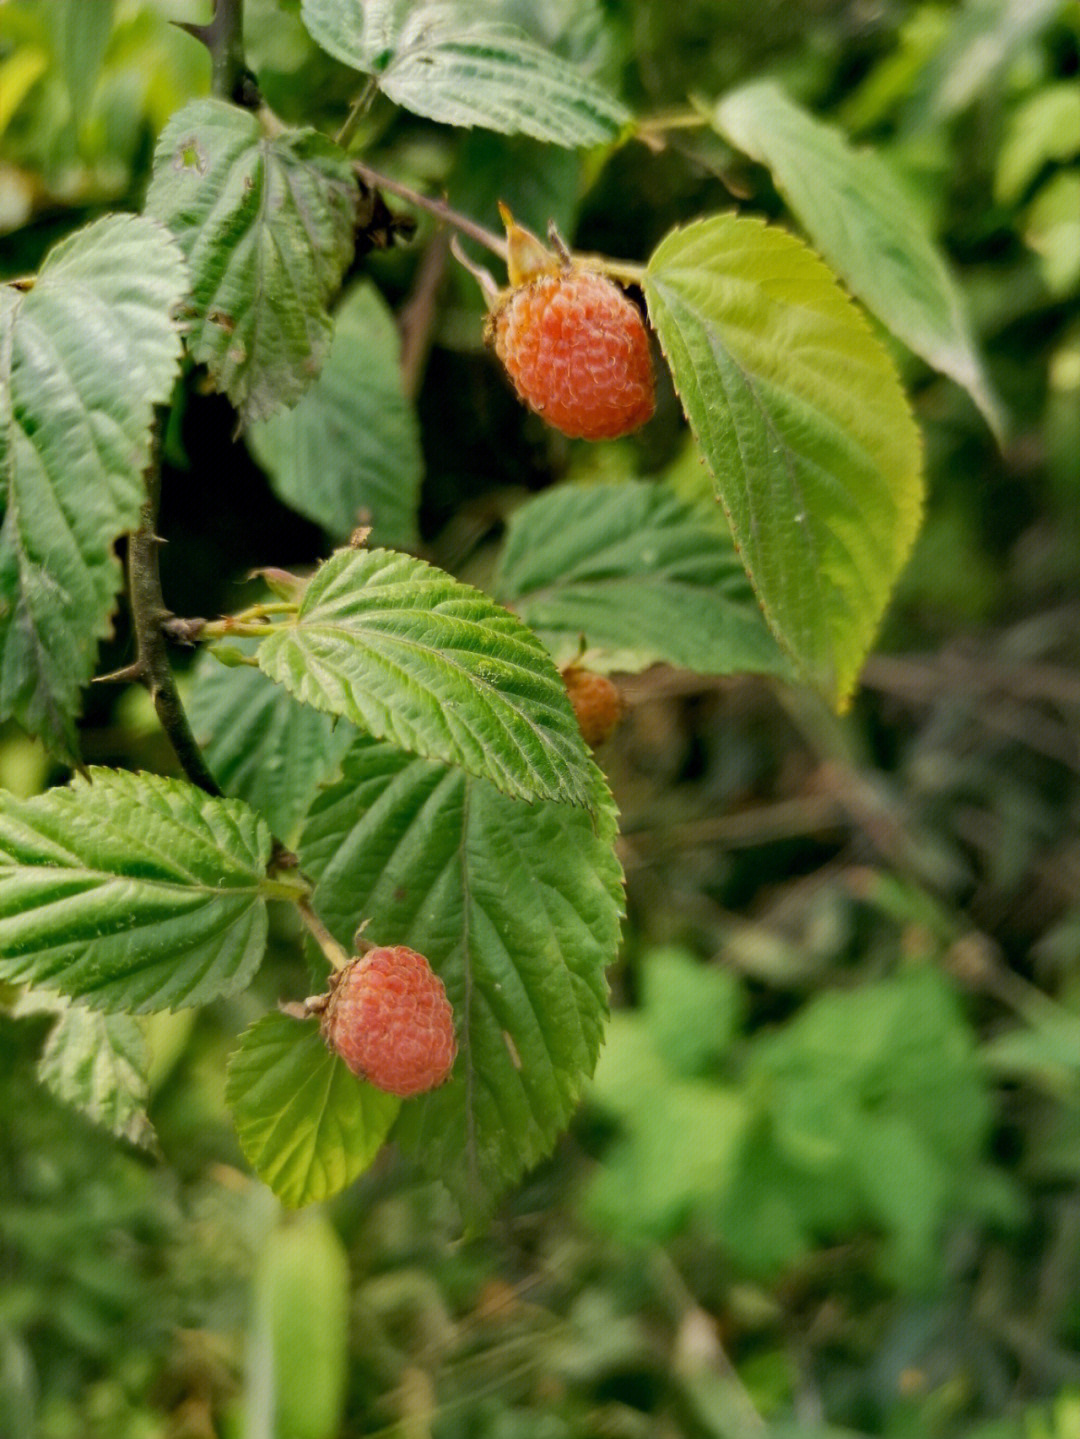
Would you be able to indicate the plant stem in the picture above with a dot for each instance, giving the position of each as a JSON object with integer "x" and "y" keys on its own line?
{"x": 230, "y": 628}
{"x": 439, "y": 208}
{"x": 360, "y": 106}
{"x": 675, "y": 120}
{"x": 151, "y": 667}
{"x": 337, "y": 956}
{"x": 224, "y": 38}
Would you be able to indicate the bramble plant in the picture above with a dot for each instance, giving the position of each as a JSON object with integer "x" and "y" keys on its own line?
{"x": 385, "y": 745}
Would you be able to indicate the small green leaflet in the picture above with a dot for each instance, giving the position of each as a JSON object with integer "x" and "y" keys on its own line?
{"x": 800, "y": 415}
{"x": 858, "y": 216}
{"x": 261, "y": 745}
{"x": 95, "y": 1062}
{"x": 85, "y": 355}
{"x": 349, "y": 453}
{"x": 411, "y": 655}
{"x": 267, "y": 226}
{"x": 306, "y": 1124}
{"x": 461, "y": 65}
{"x": 640, "y": 574}
{"x": 132, "y": 892}
{"x": 517, "y": 908}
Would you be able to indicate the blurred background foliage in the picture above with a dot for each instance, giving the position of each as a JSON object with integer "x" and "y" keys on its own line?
{"x": 827, "y": 1180}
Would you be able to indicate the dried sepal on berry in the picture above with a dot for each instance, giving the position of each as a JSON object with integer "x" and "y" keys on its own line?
{"x": 572, "y": 342}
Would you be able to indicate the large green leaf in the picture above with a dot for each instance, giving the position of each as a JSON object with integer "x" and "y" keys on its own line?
{"x": 641, "y": 574}
{"x": 261, "y": 745}
{"x": 85, "y": 354}
{"x": 132, "y": 892}
{"x": 306, "y": 1124}
{"x": 410, "y": 655}
{"x": 799, "y": 412}
{"x": 95, "y": 1062}
{"x": 349, "y": 453}
{"x": 517, "y": 907}
{"x": 458, "y": 63}
{"x": 267, "y": 226}
{"x": 858, "y": 216}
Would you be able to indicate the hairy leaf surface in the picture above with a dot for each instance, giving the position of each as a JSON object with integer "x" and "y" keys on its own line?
{"x": 349, "y": 453}
{"x": 411, "y": 655}
{"x": 132, "y": 892}
{"x": 85, "y": 355}
{"x": 459, "y": 64}
{"x": 799, "y": 412}
{"x": 641, "y": 574}
{"x": 267, "y": 226}
{"x": 262, "y": 745}
{"x": 517, "y": 908}
{"x": 306, "y": 1124}
{"x": 95, "y": 1062}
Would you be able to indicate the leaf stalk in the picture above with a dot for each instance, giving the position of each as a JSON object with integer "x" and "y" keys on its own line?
{"x": 335, "y": 953}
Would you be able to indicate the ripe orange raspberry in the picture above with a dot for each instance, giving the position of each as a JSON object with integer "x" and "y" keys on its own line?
{"x": 578, "y": 353}
{"x": 597, "y": 703}
{"x": 389, "y": 1019}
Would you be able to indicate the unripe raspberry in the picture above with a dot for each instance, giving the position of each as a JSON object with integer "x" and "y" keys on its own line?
{"x": 597, "y": 703}
{"x": 578, "y": 353}
{"x": 389, "y": 1019}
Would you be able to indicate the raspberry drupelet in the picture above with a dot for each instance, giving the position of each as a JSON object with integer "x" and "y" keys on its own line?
{"x": 574, "y": 345}
{"x": 388, "y": 1017}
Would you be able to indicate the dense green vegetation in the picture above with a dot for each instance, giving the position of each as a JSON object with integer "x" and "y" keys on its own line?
{"x": 826, "y": 1179}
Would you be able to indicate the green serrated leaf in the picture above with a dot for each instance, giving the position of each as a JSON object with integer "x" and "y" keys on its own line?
{"x": 97, "y": 1063}
{"x": 261, "y": 745}
{"x": 799, "y": 412}
{"x": 267, "y": 226}
{"x": 349, "y": 453}
{"x": 857, "y": 215}
{"x": 85, "y": 355}
{"x": 132, "y": 892}
{"x": 411, "y": 655}
{"x": 306, "y": 1124}
{"x": 459, "y": 64}
{"x": 517, "y": 907}
{"x": 642, "y": 575}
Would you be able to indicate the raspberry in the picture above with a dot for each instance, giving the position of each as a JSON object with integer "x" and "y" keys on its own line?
{"x": 597, "y": 703}
{"x": 389, "y": 1019}
{"x": 578, "y": 354}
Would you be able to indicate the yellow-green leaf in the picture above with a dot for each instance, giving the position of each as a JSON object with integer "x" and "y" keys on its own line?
{"x": 799, "y": 412}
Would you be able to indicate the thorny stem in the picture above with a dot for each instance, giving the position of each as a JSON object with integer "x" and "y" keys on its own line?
{"x": 224, "y": 38}
{"x": 439, "y": 208}
{"x": 152, "y": 667}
